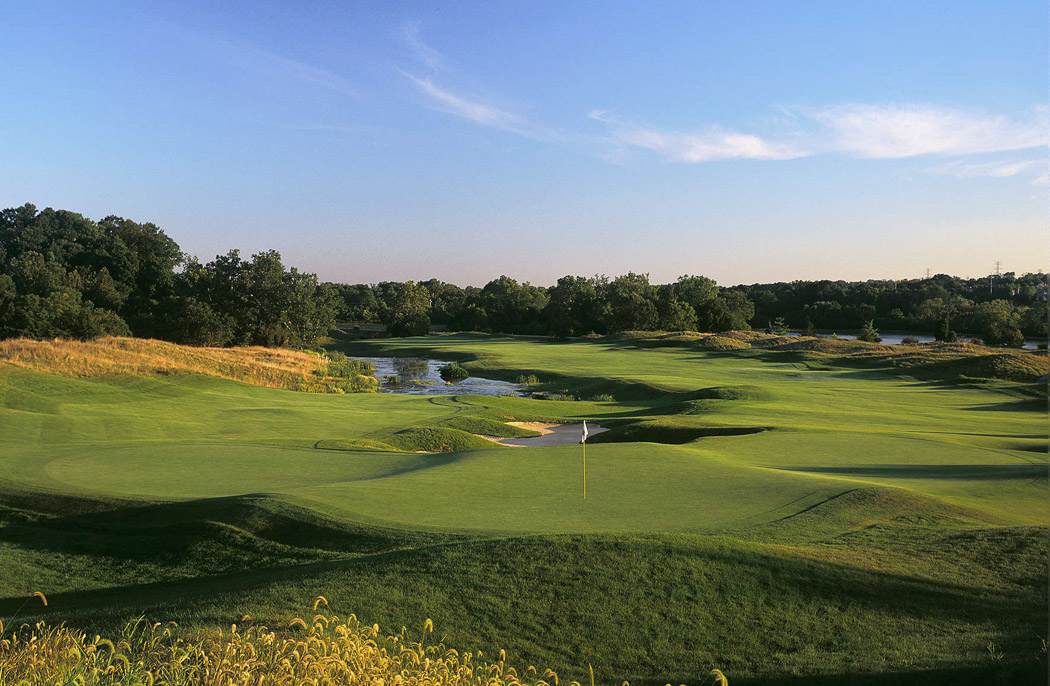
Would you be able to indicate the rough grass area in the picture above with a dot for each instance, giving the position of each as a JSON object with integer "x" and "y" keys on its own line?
{"x": 657, "y": 607}
{"x": 324, "y": 651}
{"x": 930, "y": 360}
{"x": 270, "y": 367}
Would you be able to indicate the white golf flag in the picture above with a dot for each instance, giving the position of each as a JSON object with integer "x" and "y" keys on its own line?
{"x": 583, "y": 438}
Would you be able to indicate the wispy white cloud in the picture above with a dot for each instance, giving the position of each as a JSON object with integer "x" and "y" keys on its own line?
{"x": 713, "y": 143}
{"x": 433, "y": 60}
{"x": 994, "y": 168}
{"x": 480, "y": 113}
{"x": 471, "y": 108}
{"x": 892, "y": 131}
{"x": 856, "y": 130}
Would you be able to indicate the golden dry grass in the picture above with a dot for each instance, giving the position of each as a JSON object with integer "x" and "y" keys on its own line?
{"x": 326, "y": 651}
{"x": 271, "y": 367}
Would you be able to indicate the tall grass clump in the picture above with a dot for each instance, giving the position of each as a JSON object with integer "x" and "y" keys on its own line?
{"x": 341, "y": 374}
{"x": 326, "y": 651}
{"x": 270, "y": 367}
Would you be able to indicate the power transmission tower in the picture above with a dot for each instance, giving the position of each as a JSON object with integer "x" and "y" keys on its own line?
{"x": 927, "y": 272}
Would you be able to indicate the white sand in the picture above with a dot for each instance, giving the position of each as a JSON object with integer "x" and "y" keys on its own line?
{"x": 551, "y": 434}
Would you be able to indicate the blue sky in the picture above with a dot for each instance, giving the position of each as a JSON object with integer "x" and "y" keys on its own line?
{"x": 368, "y": 141}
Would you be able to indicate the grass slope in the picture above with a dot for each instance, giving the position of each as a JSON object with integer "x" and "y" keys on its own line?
{"x": 773, "y": 513}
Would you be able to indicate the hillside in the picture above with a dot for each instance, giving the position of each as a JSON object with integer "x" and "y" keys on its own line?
{"x": 777, "y": 515}
{"x": 269, "y": 367}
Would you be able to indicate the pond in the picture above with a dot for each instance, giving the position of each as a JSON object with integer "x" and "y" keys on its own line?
{"x": 418, "y": 376}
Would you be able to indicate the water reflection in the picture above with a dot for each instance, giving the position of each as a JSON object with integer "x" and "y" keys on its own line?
{"x": 418, "y": 376}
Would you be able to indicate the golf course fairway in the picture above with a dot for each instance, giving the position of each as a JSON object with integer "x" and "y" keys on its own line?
{"x": 786, "y": 517}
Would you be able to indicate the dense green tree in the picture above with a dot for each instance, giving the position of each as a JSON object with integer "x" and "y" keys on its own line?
{"x": 356, "y": 303}
{"x": 447, "y": 301}
{"x": 572, "y": 306}
{"x": 696, "y": 291}
{"x": 631, "y": 304}
{"x": 730, "y": 311}
{"x": 678, "y": 316}
{"x": 513, "y": 307}
{"x": 406, "y": 308}
{"x": 999, "y": 323}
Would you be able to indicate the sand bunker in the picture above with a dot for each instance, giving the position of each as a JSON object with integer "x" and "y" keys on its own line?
{"x": 552, "y": 434}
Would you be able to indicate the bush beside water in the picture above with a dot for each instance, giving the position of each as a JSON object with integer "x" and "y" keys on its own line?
{"x": 453, "y": 372}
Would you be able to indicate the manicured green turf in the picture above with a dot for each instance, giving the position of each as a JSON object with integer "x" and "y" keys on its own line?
{"x": 767, "y": 513}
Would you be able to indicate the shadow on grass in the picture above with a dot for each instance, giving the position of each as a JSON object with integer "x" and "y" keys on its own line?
{"x": 174, "y": 533}
{"x": 1028, "y": 673}
{"x": 602, "y": 566}
{"x": 969, "y": 472}
{"x": 1033, "y": 405}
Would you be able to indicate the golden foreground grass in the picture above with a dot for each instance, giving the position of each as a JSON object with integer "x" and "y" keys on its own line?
{"x": 327, "y": 652}
{"x": 271, "y": 367}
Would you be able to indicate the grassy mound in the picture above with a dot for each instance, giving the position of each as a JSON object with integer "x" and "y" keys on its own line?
{"x": 353, "y": 444}
{"x": 966, "y": 360}
{"x": 668, "y": 431}
{"x": 716, "y": 342}
{"x": 821, "y": 344}
{"x": 271, "y": 367}
{"x": 744, "y": 392}
{"x": 937, "y": 361}
{"x": 866, "y": 512}
{"x": 681, "y": 339}
{"x": 438, "y": 440}
{"x": 488, "y": 427}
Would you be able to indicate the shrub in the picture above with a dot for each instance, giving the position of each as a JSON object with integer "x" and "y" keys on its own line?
{"x": 528, "y": 379}
{"x": 453, "y": 372}
{"x": 869, "y": 333}
{"x": 909, "y": 340}
{"x": 348, "y": 369}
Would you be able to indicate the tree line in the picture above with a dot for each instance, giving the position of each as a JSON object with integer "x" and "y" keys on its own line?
{"x": 63, "y": 275}
{"x": 1001, "y": 310}
{"x": 574, "y": 306}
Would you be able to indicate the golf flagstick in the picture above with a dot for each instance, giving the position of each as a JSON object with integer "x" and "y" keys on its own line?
{"x": 583, "y": 441}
